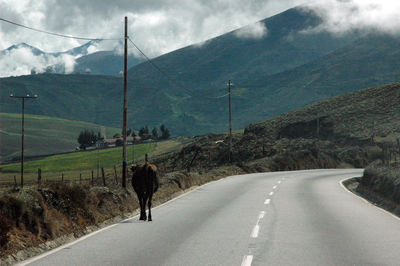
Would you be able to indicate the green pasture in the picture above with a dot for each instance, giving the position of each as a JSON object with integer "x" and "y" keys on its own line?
{"x": 43, "y": 134}
{"x": 81, "y": 160}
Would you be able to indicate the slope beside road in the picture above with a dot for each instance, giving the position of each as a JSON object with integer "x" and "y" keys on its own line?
{"x": 282, "y": 218}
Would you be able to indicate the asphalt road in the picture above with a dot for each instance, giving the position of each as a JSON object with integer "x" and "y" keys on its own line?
{"x": 284, "y": 218}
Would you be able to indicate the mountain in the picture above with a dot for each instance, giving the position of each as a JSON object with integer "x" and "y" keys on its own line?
{"x": 34, "y": 50}
{"x": 287, "y": 44}
{"x": 79, "y": 60}
{"x": 282, "y": 71}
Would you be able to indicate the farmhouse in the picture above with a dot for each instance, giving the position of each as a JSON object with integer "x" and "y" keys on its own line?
{"x": 106, "y": 143}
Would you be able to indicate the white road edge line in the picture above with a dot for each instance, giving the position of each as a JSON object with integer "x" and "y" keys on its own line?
{"x": 271, "y": 193}
{"x": 274, "y": 187}
{"x": 364, "y": 200}
{"x": 247, "y": 260}
{"x": 262, "y": 213}
{"x": 267, "y": 201}
{"x": 38, "y": 257}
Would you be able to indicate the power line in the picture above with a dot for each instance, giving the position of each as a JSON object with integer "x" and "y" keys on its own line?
{"x": 170, "y": 79}
{"x": 58, "y": 34}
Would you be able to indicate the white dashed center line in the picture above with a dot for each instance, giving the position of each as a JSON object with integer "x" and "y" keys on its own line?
{"x": 254, "y": 233}
{"x": 247, "y": 260}
{"x": 256, "y": 229}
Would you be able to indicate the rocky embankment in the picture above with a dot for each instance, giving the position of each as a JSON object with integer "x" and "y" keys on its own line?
{"x": 380, "y": 184}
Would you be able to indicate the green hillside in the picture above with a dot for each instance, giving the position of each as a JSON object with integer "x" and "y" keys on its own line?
{"x": 370, "y": 61}
{"x": 43, "y": 135}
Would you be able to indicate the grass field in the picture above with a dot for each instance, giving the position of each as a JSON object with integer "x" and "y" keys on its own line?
{"x": 43, "y": 135}
{"x": 72, "y": 164}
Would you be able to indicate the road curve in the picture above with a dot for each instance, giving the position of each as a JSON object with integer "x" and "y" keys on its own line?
{"x": 282, "y": 218}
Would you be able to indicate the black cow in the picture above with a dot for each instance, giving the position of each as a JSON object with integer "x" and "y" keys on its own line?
{"x": 145, "y": 183}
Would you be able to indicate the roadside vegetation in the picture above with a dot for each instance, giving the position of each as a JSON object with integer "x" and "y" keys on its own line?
{"x": 380, "y": 184}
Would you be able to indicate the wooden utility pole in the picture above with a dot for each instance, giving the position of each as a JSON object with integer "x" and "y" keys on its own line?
{"x": 230, "y": 122}
{"x": 23, "y": 130}
{"x": 124, "y": 169}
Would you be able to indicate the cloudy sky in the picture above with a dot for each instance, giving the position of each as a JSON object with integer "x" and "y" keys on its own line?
{"x": 160, "y": 26}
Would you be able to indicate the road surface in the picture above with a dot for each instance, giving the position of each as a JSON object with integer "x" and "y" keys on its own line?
{"x": 283, "y": 218}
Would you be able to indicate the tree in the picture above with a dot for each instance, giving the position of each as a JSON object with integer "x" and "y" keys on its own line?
{"x": 128, "y": 132}
{"x": 87, "y": 138}
{"x": 144, "y": 131}
{"x": 116, "y": 136}
{"x": 119, "y": 142}
{"x": 154, "y": 133}
{"x": 164, "y": 132}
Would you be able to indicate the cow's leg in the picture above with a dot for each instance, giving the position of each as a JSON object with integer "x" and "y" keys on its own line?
{"x": 149, "y": 204}
{"x": 142, "y": 207}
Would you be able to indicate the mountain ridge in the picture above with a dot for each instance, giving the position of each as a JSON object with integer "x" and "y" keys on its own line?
{"x": 342, "y": 67}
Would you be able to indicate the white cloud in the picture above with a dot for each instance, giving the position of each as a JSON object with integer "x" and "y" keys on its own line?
{"x": 347, "y": 15}
{"x": 21, "y": 61}
{"x": 157, "y": 26}
{"x": 252, "y": 31}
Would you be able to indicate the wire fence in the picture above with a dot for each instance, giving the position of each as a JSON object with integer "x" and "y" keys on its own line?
{"x": 99, "y": 176}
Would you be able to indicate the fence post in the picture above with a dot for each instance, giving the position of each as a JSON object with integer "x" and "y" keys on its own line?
{"x": 62, "y": 177}
{"x": 80, "y": 178}
{"x": 104, "y": 176}
{"x": 92, "y": 179}
{"x": 115, "y": 174}
{"x": 15, "y": 182}
{"x": 39, "y": 176}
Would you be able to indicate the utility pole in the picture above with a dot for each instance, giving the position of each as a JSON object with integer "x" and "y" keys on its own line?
{"x": 23, "y": 130}
{"x": 230, "y": 122}
{"x": 124, "y": 169}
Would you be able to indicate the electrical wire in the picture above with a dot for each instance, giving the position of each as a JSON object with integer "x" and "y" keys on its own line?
{"x": 60, "y": 35}
{"x": 171, "y": 80}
